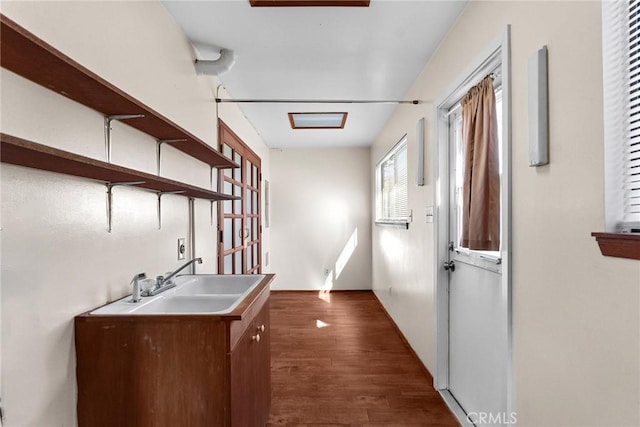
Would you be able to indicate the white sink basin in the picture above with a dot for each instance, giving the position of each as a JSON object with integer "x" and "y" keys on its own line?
{"x": 193, "y": 294}
{"x": 189, "y": 304}
{"x": 206, "y": 284}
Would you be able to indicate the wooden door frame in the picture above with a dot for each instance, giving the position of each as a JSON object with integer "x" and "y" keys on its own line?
{"x": 247, "y": 153}
{"x": 498, "y": 50}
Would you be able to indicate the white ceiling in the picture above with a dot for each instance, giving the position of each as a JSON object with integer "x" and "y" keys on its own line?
{"x": 312, "y": 53}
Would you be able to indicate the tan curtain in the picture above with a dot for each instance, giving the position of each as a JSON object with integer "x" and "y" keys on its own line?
{"x": 481, "y": 187}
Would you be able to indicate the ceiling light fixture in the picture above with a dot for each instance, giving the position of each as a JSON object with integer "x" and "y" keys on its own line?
{"x": 317, "y": 120}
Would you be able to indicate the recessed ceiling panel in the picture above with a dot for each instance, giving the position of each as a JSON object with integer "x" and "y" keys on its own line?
{"x": 317, "y": 120}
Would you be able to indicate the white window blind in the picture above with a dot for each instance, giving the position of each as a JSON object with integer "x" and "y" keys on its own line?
{"x": 392, "y": 186}
{"x": 621, "y": 80}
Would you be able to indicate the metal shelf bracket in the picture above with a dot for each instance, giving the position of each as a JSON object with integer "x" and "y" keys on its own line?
{"x": 107, "y": 129}
{"x": 211, "y": 186}
{"x": 110, "y": 186}
{"x": 159, "y": 143}
{"x": 160, "y": 194}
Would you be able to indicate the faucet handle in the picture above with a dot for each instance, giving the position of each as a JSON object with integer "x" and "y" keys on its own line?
{"x": 159, "y": 281}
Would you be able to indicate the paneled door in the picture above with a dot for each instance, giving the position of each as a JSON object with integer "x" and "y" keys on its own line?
{"x": 478, "y": 342}
{"x": 239, "y": 221}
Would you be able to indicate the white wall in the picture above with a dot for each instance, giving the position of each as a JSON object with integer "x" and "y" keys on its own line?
{"x": 58, "y": 259}
{"x": 575, "y": 312}
{"x": 320, "y": 218}
{"x": 402, "y": 268}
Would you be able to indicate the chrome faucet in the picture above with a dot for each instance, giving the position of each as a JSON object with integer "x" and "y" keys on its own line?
{"x": 161, "y": 280}
{"x": 135, "y": 296}
{"x": 164, "y": 283}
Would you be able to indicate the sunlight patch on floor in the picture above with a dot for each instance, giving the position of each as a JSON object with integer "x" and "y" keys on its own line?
{"x": 325, "y": 291}
{"x": 321, "y": 324}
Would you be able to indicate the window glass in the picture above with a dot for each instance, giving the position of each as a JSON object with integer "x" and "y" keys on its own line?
{"x": 228, "y": 233}
{"x": 392, "y": 186}
{"x": 621, "y": 80}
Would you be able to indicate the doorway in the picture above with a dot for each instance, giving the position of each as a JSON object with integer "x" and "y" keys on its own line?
{"x": 239, "y": 221}
{"x": 473, "y": 288}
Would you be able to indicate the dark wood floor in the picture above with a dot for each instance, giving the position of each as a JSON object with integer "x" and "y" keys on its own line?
{"x": 339, "y": 361}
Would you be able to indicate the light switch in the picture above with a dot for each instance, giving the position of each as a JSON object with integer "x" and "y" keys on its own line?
{"x": 429, "y": 214}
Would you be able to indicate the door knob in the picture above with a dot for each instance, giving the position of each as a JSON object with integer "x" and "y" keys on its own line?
{"x": 256, "y": 338}
{"x": 260, "y": 328}
{"x": 449, "y": 266}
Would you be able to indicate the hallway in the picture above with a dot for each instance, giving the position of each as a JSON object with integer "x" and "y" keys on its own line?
{"x": 338, "y": 360}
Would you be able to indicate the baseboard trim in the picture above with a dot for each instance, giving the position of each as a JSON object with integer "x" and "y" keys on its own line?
{"x": 403, "y": 338}
{"x": 450, "y": 401}
{"x": 455, "y": 407}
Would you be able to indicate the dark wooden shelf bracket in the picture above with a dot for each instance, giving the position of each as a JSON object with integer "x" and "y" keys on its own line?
{"x": 108, "y": 129}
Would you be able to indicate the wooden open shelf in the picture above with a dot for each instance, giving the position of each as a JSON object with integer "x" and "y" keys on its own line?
{"x": 34, "y": 59}
{"x": 18, "y": 151}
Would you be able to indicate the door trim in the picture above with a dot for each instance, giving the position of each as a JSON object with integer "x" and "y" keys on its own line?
{"x": 497, "y": 52}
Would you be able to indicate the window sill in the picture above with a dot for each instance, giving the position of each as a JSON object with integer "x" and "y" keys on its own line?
{"x": 620, "y": 245}
{"x": 398, "y": 224}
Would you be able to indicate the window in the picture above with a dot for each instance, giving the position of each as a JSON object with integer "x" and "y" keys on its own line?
{"x": 621, "y": 83}
{"x": 391, "y": 186}
{"x": 455, "y": 120}
{"x": 621, "y": 40}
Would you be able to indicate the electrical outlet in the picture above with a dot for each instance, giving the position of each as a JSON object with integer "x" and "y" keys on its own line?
{"x": 181, "y": 248}
{"x": 390, "y": 290}
{"x": 326, "y": 272}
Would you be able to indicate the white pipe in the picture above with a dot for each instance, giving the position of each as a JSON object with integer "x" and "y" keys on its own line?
{"x": 218, "y": 66}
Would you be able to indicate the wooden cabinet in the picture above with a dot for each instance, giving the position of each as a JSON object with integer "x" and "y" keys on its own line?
{"x": 250, "y": 365}
{"x": 176, "y": 370}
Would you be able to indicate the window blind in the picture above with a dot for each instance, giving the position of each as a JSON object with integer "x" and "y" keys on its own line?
{"x": 392, "y": 181}
{"x": 621, "y": 81}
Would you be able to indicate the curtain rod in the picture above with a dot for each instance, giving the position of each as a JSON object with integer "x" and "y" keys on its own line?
{"x": 317, "y": 101}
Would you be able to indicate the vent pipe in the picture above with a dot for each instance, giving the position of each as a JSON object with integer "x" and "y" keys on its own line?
{"x": 217, "y": 66}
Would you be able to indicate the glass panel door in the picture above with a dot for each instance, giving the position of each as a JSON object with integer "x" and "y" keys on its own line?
{"x": 239, "y": 220}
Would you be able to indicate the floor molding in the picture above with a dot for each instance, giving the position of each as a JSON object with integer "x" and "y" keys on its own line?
{"x": 451, "y": 402}
{"x": 403, "y": 338}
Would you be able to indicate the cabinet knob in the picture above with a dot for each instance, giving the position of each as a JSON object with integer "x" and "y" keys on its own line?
{"x": 256, "y": 338}
{"x": 260, "y": 328}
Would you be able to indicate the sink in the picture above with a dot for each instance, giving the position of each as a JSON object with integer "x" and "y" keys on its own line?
{"x": 207, "y": 284}
{"x": 193, "y": 294}
{"x": 189, "y": 304}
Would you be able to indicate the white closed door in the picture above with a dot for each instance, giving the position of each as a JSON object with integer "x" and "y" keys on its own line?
{"x": 478, "y": 318}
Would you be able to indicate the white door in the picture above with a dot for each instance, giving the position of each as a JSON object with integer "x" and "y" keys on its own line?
{"x": 478, "y": 340}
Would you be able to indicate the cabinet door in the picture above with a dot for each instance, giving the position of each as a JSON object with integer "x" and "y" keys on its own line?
{"x": 243, "y": 381}
{"x": 263, "y": 367}
{"x": 251, "y": 374}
